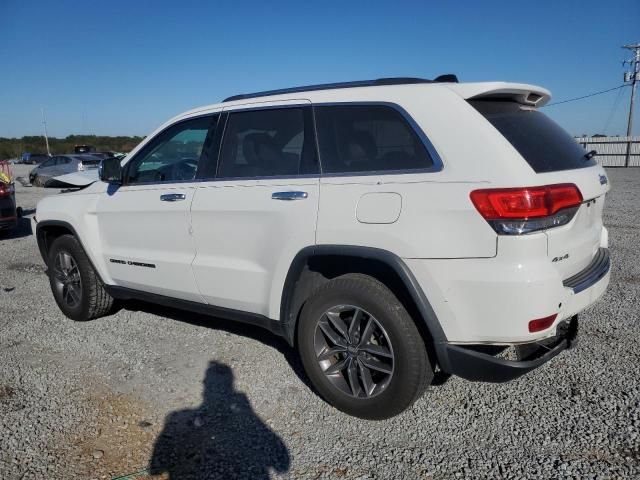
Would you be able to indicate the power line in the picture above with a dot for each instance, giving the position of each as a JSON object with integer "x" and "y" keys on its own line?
{"x": 613, "y": 111}
{"x": 586, "y": 96}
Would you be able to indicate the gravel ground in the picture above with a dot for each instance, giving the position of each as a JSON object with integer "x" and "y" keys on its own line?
{"x": 109, "y": 397}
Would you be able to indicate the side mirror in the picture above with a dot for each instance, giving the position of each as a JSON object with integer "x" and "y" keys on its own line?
{"x": 110, "y": 170}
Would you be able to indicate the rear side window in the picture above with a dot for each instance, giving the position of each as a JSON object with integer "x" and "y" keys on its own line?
{"x": 268, "y": 143}
{"x": 368, "y": 138}
{"x": 539, "y": 140}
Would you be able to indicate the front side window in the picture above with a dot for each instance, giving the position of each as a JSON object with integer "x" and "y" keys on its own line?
{"x": 268, "y": 143}
{"x": 173, "y": 155}
{"x": 368, "y": 138}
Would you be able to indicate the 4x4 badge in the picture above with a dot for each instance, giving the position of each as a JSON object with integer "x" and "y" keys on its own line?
{"x": 603, "y": 179}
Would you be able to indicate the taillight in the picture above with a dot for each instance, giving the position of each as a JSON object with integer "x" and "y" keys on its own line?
{"x": 513, "y": 211}
{"x": 541, "y": 323}
{"x": 6, "y": 190}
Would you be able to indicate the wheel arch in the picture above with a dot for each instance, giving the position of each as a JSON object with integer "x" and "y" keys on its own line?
{"x": 315, "y": 265}
{"x": 47, "y": 231}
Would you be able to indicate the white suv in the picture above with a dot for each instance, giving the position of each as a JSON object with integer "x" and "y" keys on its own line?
{"x": 394, "y": 231}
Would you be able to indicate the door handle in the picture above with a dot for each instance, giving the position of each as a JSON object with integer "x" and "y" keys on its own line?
{"x": 172, "y": 197}
{"x": 289, "y": 195}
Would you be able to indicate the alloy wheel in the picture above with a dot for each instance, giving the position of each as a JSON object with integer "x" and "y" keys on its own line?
{"x": 67, "y": 280}
{"x": 354, "y": 351}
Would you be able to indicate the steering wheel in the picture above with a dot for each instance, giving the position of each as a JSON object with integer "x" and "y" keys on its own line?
{"x": 184, "y": 169}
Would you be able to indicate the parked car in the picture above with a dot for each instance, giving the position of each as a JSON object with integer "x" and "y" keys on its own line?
{"x": 84, "y": 149}
{"x": 60, "y": 165}
{"x": 388, "y": 229}
{"x": 34, "y": 158}
{"x": 103, "y": 155}
{"x": 8, "y": 209}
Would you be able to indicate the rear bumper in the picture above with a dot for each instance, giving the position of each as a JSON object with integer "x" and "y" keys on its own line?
{"x": 475, "y": 364}
{"x": 592, "y": 274}
{"x": 492, "y": 300}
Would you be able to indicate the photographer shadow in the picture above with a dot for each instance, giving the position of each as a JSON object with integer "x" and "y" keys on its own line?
{"x": 222, "y": 438}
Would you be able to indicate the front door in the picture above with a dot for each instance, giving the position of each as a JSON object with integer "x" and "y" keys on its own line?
{"x": 144, "y": 224}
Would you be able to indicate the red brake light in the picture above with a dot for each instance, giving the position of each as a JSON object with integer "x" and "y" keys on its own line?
{"x": 6, "y": 190}
{"x": 525, "y": 203}
{"x": 541, "y": 323}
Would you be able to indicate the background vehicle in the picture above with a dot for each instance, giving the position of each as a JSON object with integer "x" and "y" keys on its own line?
{"x": 388, "y": 229}
{"x": 61, "y": 165}
{"x": 103, "y": 155}
{"x": 8, "y": 209}
{"x": 84, "y": 149}
{"x": 34, "y": 158}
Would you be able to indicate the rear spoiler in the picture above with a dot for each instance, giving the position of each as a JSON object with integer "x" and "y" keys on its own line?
{"x": 518, "y": 92}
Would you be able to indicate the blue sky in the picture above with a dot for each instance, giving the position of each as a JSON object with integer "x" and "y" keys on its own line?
{"x": 117, "y": 67}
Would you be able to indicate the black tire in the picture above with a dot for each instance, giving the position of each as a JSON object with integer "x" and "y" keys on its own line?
{"x": 92, "y": 301}
{"x": 411, "y": 370}
{"x": 37, "y": 181}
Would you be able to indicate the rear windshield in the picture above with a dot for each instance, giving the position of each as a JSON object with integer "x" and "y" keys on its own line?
{"x": 542, "y": 143}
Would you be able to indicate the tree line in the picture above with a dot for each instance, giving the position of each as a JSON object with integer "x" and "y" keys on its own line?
{"x": 14, "y": 147}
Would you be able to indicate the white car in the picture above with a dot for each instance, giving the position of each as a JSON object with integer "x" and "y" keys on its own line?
{"x": 394, "y": 231}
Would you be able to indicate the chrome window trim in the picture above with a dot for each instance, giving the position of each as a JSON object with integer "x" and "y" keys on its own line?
{"x": 437, "y": 166}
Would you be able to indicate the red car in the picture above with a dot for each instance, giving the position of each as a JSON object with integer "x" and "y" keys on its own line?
{"x": 8, "y": 210}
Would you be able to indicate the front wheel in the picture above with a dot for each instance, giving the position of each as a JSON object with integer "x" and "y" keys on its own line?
{"x": 361, "y": 349}
{"x": 75, "y": 285}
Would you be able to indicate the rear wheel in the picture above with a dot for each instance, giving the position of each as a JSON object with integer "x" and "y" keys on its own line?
{"x": 76, "y": 288}
{"x": 361, "y": 349}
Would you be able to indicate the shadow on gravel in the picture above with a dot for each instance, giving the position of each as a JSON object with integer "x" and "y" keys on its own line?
{"x": 22, "y": 230}
{"x": 236, "y": 328}
{"x": 222, "y": 438}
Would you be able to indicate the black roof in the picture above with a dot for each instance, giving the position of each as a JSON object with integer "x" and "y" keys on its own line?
{"x": 333, "y": 86}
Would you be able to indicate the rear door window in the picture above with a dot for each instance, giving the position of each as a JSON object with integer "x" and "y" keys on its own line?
{"x": 268, "y": 143}
{"x": 544, "y": 145}
{"x": 368, "y": 138}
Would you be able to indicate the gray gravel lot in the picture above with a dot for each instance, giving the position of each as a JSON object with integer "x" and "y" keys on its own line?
{"x": 111, "y": 397}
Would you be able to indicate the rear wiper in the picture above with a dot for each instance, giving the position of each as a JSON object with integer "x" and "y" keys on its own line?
{"x": 590, "y": 154}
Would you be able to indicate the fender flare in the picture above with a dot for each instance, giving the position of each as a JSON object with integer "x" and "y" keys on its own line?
{"x": 388, "y": 258}
{"x": 42, "y": 245}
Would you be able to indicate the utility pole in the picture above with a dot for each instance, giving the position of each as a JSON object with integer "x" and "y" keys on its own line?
{"x": 46, "y": 137}
{"x": 632, "y": 76}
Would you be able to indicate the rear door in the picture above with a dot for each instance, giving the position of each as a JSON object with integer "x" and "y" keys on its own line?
{"x": 144, "y": 224}
{"x": 556, "y": 158}
{"x": 258, "y": 208}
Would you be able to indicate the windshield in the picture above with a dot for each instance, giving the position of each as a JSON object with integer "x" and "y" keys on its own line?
{"x": 542, "y": 143}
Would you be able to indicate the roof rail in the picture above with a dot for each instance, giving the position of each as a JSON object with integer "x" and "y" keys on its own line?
{"x": 333, "y": 86}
